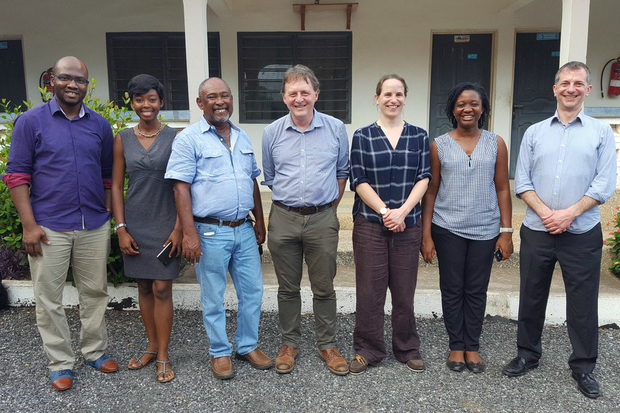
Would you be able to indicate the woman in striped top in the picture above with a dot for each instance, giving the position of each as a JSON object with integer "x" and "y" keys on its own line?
{"x": 467, "y": 215}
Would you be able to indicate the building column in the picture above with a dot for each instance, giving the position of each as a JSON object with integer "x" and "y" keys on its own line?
{"x": 196, "y": 50}
{"x": 575, "y": 23}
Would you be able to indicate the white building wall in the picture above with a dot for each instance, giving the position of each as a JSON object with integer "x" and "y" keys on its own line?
{"x": 388, "y": 36}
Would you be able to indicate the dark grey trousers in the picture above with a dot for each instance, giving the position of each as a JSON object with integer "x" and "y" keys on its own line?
{"x": 579, "y": 256}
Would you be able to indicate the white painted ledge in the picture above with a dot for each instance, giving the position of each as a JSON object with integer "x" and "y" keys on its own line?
{"x": 427, "y": 302}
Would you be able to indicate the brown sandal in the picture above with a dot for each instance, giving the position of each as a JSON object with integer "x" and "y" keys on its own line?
{"x": 137, "y": 364}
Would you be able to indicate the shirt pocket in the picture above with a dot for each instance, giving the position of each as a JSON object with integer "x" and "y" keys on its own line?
{"x": 246, "y": 158}
{"x": 322, "y": 158}
{"x": 213, "y": 165}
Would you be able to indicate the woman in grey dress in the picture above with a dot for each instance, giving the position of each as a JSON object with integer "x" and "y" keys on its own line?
{"x": 147, "y": 220}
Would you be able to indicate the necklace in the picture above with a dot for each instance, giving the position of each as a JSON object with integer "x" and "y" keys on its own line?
{"x": 152, "y": 135}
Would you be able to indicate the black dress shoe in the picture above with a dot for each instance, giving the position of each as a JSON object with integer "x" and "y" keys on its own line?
{"x": 455, "y": 365}
{"x": 587, "y": 385}
{"x": 518, "y": 366}
{"x": 475, "y": 367}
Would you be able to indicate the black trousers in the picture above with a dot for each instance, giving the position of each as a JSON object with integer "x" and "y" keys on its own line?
{"x": 464, "y": 273}
{"x": 579, "y": 256}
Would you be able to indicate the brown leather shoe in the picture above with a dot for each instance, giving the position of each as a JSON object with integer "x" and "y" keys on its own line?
{"x": 416, "y": 365}
{"x": 286, "y": 359}
{"x": 335, "y": 362}
{"x": 61, "y": 380}
{"x": 257, "y": 359}
{"x": 62, "y": 384}
{"x": 222, "y": 368}
{"x": 109, "y": 366}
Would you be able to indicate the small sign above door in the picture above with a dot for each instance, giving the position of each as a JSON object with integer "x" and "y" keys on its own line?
{"x": 461, "y": 38}
{"x": 547, "y": 36}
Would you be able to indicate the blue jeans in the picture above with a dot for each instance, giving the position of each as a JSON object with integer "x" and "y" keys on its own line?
{"x": 233, "y": 249}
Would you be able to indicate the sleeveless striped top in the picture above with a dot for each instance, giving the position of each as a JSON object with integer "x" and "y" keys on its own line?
{"x": 466, "y": 203}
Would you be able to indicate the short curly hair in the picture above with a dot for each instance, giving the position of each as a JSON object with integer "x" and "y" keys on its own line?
{"x": 141, "y": 84}
{"x": 456, "y": 92}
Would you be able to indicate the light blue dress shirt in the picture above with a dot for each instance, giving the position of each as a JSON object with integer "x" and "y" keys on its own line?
{"x": 221, "y": 178}
{"x": 303, "y": 168}
{"x": 564, "y": 163}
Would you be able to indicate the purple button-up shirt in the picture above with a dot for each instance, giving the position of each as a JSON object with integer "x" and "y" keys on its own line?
{"x": 66, "y": 162}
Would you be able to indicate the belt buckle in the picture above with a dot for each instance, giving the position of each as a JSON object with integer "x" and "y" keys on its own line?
{"x": 308, "y": 210}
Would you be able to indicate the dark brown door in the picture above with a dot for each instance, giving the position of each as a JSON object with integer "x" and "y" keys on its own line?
{"x": 12, "y": 81}
{"x": 536, "y": 61}
{"x": 456, "y": 58}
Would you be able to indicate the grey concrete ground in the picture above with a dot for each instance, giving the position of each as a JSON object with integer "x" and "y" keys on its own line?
{"x": 24, "y": 384}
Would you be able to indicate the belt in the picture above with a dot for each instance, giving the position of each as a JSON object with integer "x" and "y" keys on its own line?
{"x": 308, "y": 210}
{"x": 215, "y": 221}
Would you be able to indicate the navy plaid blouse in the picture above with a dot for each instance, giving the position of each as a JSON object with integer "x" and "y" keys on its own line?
{"x": 392, "y": 173}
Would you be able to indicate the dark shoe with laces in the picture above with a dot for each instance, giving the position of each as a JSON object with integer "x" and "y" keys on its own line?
{"x": 518, "y": 366}
{"x": 358, "y": 365}
{"x": 587, "y": 385}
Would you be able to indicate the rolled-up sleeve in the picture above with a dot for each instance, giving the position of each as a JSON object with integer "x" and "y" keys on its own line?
{"x": 343, "y": 166}
{"x": 358, "y": 170}
{"x": 268, "y": 166}
{"x": 21, "y": 155}
{"x": 523, "y": 179}
{"x": 182, "y": 162}
{"x": 424, "y": 169}
{"x": 604, "y": 183}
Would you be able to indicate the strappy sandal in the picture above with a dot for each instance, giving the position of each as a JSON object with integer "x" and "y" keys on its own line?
{"x": 137, "y": 364}
{"x": 161, "y": 376}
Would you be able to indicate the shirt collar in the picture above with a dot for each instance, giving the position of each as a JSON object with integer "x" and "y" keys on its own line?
{"x": 317, "y": 122}
{"x": 579, "y": 117}
{"x": 55, "y": 107}
{"x": 206, "y": 126}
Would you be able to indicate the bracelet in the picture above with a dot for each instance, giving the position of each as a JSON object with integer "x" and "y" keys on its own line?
{"x": 119, "y": 226}
{"x": 506, "y": 230}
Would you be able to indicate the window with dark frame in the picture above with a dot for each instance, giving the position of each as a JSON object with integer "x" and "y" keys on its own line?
{"x": 264, "y": 58}
{"x": 158, "y": 54}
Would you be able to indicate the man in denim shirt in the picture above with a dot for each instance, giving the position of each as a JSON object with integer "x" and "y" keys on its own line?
{"x": 566, "y": 168}
{"x": 306, "y": 164}
{"x": 214, "y": 169}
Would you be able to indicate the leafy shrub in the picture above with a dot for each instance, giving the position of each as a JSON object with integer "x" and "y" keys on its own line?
{"x": 614, "y": 244}
{"x": 10, "y": 224}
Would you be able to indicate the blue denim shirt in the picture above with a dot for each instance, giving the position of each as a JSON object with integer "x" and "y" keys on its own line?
{"x": 564, "y": 163}
{"x": 303, "y": 168}
{"x": 221, "y": 178}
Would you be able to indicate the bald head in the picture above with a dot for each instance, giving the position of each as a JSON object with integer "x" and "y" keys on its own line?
{"x": 215, "y": 100}
{"x": 71, "y": 62}
{"x": 210, "y": 83}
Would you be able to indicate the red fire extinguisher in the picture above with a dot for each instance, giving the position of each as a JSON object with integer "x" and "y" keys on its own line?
{"x": 614, "y": 78}
{"x": 45, "y": 80}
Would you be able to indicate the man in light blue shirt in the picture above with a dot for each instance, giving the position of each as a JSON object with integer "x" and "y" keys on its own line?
{"x": 566, "y": 168}
{"x": 215, "y": 188}
{"x": 306, "y": 165}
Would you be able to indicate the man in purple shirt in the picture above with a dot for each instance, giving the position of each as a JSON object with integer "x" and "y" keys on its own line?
{"x": 59, "y": 172}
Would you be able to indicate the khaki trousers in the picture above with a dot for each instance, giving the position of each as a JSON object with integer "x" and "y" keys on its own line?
{"x": 87, "y": 252}
{"x": 292, "y": 238}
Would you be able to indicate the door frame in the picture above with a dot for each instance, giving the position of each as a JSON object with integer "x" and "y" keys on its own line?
{"x": 23, "y": 44}
{"x": 512, "y": 80}
{"x": 492, "y": 73}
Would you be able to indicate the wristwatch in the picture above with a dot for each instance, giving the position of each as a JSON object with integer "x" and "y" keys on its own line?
{"x": 119, "y": 226}
{"x": 383, "y": 211}
{"x": 507, "y": 230}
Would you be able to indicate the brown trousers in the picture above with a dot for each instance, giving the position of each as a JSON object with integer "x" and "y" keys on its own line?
{"x": 384, "y": 259}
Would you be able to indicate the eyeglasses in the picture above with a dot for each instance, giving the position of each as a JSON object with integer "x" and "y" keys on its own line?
{"x": 68, "y": 79}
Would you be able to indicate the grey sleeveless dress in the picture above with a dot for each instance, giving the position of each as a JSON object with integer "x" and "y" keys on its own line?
{"x": 150, "y": 212}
